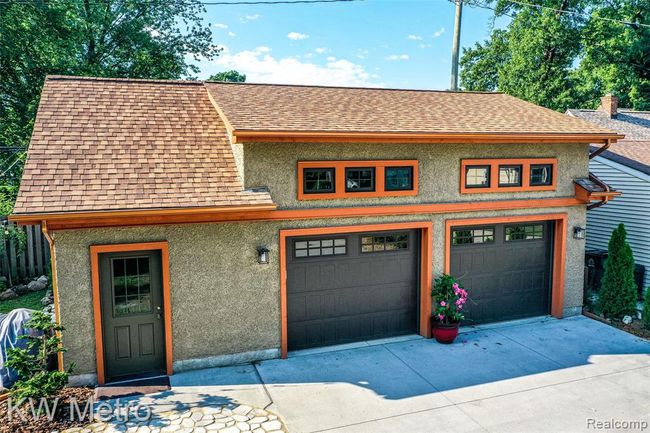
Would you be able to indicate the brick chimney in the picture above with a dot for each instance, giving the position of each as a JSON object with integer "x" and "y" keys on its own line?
{"x": 609, "y": 105}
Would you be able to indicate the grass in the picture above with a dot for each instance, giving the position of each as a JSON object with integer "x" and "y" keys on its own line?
{"x": 30, "y": 300}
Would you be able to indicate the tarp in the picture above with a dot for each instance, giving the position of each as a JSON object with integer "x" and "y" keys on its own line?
{"x": 11, "y": 327}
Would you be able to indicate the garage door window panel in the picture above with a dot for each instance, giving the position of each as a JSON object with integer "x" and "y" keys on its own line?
{"x": 524, "y": 232}
{"x": 320, "y": 248}
{"x": 473, "y": 236}
{"x": 384, "y": 242}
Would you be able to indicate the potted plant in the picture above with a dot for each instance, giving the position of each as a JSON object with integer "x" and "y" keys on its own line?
{"x": 449, "y": 298}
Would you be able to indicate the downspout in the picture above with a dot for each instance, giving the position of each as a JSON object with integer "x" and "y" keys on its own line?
{"x": 55, "y": 286}
{"x": 600, "y": 150}
{"x": 603, "y": 185}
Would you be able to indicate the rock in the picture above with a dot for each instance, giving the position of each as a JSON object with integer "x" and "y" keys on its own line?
{"x": 627, "y": 320}
{"x": 8, "y": 294}
{"x": 272, "y": 425}
{"x": 20, "y": 289}
{"x": 49, "y": 309}
{"x": 38, "y": 284}
{"x": 48, "y": 298}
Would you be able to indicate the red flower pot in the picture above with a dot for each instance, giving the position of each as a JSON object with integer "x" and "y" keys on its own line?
{"x": 445, "y": 333}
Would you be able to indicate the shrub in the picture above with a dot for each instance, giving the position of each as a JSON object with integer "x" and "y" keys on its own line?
{"x": 31, "y": 363}
{"x": 449, "y": 298}
{"x": 617, "y": 296}
{"x": 646, "y": 309}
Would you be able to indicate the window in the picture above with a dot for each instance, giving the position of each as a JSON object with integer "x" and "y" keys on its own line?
{"x": 388, "y": 242}
{"x": 524, "y": 232}
{"x": 333, "y": 180}
{"x": 477, "y": 176}
{"x": 510, "y": 175}
{"x": 473, "y": 236}
{"x": 398, "y": 178}
{"x": 318, "y": 180}
{"x": 320, "y": 247}
{"x": 131, "y": 286}
{"x": 359, "y": 179}
{"x": 541, "y": 174}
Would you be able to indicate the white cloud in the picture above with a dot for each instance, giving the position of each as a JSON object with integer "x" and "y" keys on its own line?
{"x": 439, "y": 33}
{"x": 297, "y": 36}
{"x": 331, "y": 59}
{"x": 260, "y": 66}
{"x": 414, "y": 37}
{"x": 361, "y": 53}
{"x": 308, "y": 55}
{"x": 231, "y": 34}
{"x": 395, "y": 57}
{"x": 426, "y": 45}
{"x": 221, "y": 25}
{"x": 321, "y": 50}
{"x": 252, "y": 17}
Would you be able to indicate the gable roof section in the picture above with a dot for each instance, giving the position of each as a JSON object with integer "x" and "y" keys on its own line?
{"x": 634, "y": 151}
{"x": 262, "y": 112}
{"x": 120, "y": 145}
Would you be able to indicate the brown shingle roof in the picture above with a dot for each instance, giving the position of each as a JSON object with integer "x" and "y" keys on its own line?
{"x": 106, "y": 144}
{"x": 266, "y": 107}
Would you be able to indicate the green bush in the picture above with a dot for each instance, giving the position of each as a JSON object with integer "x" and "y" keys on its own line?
{"x": 31, "y": 363}
{"x": 646, "y": 309}
{"x": 617, "y": 296}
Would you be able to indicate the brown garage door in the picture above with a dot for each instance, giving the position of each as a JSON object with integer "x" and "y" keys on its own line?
{"x": 351, "y": 287}
{"x": 506, "y": 269}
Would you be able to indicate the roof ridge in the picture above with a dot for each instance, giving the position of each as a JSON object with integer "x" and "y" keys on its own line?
{"x": 321, "y": 86}
{"x": 121, "y": 80}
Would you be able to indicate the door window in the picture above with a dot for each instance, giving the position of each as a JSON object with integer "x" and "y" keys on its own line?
{"x": 131, "y": 286}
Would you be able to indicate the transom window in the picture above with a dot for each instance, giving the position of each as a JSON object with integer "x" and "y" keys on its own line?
{"x": 541, "y": 174}
{"x": 398, "y": 178}
{"x": 131, "y": 286}
{"x": 477, "y": 176}
{"x": 473, "y": 236}
{"x": 318, "y": 180}
{"x": 359, "y": 179}
{"x": 524, "y": 232}
{"x": 510, "y": 175}
{"x": 320, "y": 247}
{"x": 384, "y": 242}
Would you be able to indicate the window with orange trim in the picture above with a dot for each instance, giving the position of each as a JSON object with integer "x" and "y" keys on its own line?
{"x": 319, "y": 180}
{"x": 507, "y": 175}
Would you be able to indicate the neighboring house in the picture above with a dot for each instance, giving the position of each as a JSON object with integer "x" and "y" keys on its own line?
{"x": 199, "y": 224}
{"x": 626, "y": 167}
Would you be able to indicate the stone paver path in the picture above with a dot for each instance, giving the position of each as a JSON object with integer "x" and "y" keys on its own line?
{"x": 202, "y": 419}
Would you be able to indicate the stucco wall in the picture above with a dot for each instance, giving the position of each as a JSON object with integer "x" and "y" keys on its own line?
{"x": 274, "y": 166}
{"x": 223, "y": 301}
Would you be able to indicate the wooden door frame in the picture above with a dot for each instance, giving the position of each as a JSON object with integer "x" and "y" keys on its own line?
{"x": 95, "y": 251}
{"x": 559, "y": 248}
{"x": 426, "y": 247}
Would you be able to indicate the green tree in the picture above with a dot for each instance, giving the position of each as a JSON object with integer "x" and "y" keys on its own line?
{"x": 646, "y": 309}
{"x": 108, "y": 38}
{"x": 232, "y": 76}
{"x": 617, "y": 295}
{"x": 562, "y": 54}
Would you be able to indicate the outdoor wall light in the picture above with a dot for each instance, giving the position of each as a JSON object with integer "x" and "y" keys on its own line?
{"x": 579, "y": 233}
{"x": 262, "y": 255}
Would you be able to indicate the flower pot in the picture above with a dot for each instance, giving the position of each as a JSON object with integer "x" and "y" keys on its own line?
{"x": 445, "y": 333}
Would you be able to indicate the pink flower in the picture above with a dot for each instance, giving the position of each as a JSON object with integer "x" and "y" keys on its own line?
{"x": 441, "y": 317}
{"x": 455, "y": 286}
{"x": 443, "y": 304}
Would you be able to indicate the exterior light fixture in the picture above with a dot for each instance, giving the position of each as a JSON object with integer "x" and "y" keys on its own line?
{"x": 262, "y": 255}
{"x": 579, "y": 233}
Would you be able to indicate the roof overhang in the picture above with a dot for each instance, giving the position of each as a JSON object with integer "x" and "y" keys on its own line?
{"x": 243, "y": 136}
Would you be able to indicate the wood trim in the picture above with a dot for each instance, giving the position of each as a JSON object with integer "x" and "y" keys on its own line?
{"x": 95, "y": 251}
{"x": 426, "y": 255}
{"x": 339, "y": 178}
{"x": 318, "y": 213}
{"x": 55, "y": 288}
{"x": 243, "y": 136}
{"x": 187, "y": 211}
{"x": 494, "y": 175}
{"x": 587, "y": 196}
{"x": 559, "y": 248}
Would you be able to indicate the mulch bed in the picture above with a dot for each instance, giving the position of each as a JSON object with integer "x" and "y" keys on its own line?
{"x": 634, "y": 328}
{"x": 61, "y": 420}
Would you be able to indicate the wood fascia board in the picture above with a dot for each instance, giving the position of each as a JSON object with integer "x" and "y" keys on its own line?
{"x": 314, "y": 213}
{"x": 240, "y": 135}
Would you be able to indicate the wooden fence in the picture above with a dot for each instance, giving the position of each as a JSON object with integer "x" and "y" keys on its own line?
{"x": 33, "y": 262}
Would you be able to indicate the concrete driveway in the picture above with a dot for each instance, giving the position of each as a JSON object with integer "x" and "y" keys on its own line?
{"x": 542, "y": 376}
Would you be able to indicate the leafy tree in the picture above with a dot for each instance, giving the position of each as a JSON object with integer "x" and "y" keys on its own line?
{"x": 559, "y": 59}
{"x": 617, "y": 296}
{"x": 108, "y": 38}
{"x": 646, "y": 309}
{"x": 232, "y": 76}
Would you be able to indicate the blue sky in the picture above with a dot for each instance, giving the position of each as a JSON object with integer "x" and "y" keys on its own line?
{"x": 384, "y": 43}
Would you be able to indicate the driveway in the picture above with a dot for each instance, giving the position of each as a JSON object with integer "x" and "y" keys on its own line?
{"x": 542, "y": 376}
